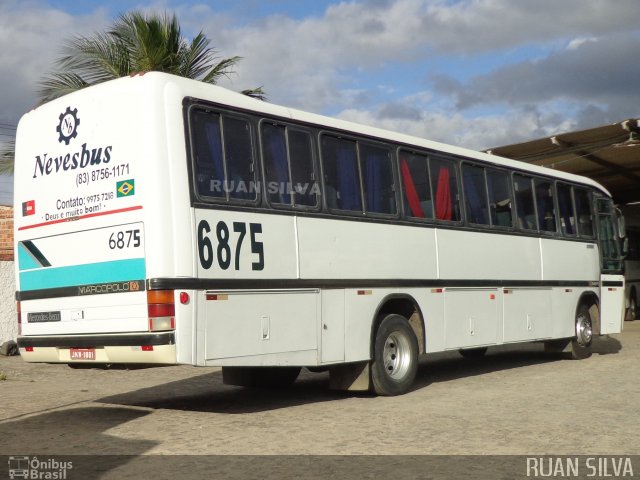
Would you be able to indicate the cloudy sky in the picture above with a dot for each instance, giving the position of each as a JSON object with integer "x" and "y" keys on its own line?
{"x": 477, "y": 73}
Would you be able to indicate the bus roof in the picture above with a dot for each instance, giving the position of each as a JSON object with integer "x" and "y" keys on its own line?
{"x": 223, "y": 96}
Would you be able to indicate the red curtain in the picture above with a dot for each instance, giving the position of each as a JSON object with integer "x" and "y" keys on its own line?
{"x": 410, "y": 191}
{"x": 444, "y": 205}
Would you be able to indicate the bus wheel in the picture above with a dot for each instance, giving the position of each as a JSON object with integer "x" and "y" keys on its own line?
{"x": 395, "y": 356}
{"x": 472, "y": 353}
{"x": 633, "y": 307}
{"x": 581, "y": 343}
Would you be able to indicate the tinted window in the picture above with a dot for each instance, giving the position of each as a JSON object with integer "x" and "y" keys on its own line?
{"x": 525, "y": 209}
{"x": 545, "y": 206}
{"x": 583, "y": 212}
{"x": 207, "y": 149}
{"x": 288, "y": 164}
{"x": 565, "y": 205}
{"x": 303, "y": 176}
{"x": 444, "y": 185}
{"x": 341, "y": 175}
{"x": 238, "y": 158}
{"x": 416, "y": 189}
{"x": 500, "y": 203}
{"x": 377, "y": 177}
{"x": 276, "y": 164}
{"x": 475, "y": 193}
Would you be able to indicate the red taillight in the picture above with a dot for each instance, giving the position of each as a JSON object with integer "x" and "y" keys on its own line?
{"x": 161, "y": 309}
{"x": 184, "y": 298}
{"x": 28, "y": 349}
{"x": 147, "y": 348}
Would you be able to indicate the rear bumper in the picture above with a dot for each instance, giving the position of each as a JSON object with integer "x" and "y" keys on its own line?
{"x": 111, "y": 348}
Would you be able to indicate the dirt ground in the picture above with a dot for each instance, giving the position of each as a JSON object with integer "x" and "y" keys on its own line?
{"x": 515, "y": 401}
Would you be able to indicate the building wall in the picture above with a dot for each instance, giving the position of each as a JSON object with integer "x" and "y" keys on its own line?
{"x": 8, "y": 324}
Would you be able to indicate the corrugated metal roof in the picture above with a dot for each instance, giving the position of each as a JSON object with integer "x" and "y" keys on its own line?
{"x": 609, "y": 154}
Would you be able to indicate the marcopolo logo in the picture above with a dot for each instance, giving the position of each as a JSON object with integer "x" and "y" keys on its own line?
{"x": 68, "y": 126}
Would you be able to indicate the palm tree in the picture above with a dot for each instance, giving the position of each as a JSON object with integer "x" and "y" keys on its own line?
{"x": 7, "y": 154}
{"x": 135, "y": 43}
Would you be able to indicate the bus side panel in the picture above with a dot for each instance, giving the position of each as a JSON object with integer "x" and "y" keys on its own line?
{"x": 479, "y": 256}
{"x": 335, "y": 249}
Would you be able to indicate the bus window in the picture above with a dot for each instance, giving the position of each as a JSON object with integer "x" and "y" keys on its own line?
{"x": 207, "y": 145}
{"x": 499, "y": 198}
{"x": 276, "y": 164}
{"x": 415, "y": 181}
{"x": 475, "y": 193}
{"x": 567, "y": 215}
{"x": 583, "y": 212}
{"x": 444, "y": 184}
{"x": 288, "y": 165}
{"x": 525, "y": 208}
{"x": 341, "y": 176}
{"x": 545, "y": 204}
{"x": 239, "y": 158}
{"x": 377, "y": 179}
{"x": 303, "y": 175}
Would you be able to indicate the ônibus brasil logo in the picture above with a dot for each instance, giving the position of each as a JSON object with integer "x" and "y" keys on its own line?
{"x": 68, "y": 126}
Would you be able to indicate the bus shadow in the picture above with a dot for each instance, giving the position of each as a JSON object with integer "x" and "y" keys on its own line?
{"x": 207, "y": 393}
{"x": 449, "y": 366}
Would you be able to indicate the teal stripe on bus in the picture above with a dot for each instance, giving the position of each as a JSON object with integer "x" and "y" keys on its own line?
{"x": 25, "y": 260}
{"x": 91, "y": 273}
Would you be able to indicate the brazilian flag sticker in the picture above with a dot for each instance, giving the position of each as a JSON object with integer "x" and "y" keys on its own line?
{"x": 126, "y": 188}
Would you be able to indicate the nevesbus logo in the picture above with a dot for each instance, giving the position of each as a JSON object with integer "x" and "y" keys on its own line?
{"x": 67, "y": 129}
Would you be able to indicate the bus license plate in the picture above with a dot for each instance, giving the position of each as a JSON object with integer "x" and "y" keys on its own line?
{"x": 83, "y": 354}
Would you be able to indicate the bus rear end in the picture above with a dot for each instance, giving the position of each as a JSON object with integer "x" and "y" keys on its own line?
{"x": 81, "y": 198}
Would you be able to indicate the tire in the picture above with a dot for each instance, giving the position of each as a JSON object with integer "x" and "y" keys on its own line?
{"x": 581, "y": 343}
{"x": 395, "y": 357}
{"x": 473, "y": 353}
{"x": 633, "y": 307}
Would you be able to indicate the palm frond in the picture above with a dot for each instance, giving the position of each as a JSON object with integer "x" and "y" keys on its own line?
{"x": 59, "y": 84}
{"x": 136, "y": 43}
{"x": 7, "y": 157}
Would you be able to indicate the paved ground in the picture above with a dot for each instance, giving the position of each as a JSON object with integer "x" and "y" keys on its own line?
{"x": 514, "y": 401}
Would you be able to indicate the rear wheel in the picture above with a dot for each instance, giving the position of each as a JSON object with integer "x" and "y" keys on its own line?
{"x": 395, "y": 356}
{"x": 581, "y": 343}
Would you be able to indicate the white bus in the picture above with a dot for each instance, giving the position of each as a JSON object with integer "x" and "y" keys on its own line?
{"x": 161, "y": 220}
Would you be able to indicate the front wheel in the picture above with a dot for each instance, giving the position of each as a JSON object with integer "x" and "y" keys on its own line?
{"x": 581, "y": 343}
{"x": 395, "y": 356}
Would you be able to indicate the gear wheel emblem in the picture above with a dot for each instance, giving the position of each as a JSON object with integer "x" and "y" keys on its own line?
{"x": 68, "y": 126}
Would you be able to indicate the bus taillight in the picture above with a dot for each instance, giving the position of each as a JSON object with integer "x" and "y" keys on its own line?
{"x": 161, "y": 309}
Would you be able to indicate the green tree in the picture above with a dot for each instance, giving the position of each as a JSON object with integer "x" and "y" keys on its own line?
{"x": 135, "y": 43}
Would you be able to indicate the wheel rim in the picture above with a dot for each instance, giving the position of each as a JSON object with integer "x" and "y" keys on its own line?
{"x": 584, "y": 332}
{"x": 396, "y": 355}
